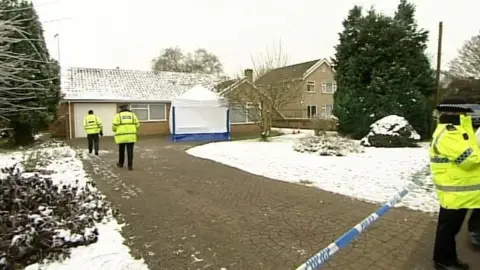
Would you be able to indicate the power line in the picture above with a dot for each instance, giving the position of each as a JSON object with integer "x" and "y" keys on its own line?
{"x": 57, "y": 20}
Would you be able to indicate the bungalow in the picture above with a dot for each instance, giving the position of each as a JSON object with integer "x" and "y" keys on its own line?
{"x": 147, "y": 93}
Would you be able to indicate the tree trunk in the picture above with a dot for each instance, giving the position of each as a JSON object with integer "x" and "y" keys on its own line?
{"x": 22, "y": 134}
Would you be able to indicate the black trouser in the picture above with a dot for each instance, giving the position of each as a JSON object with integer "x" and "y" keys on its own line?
{"x": 93, "y": 142}
{"x": 121, "y": 154}
{"x": 450, "y": 222}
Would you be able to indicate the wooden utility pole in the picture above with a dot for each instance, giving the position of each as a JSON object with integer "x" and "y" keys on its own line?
{"x": 439, "y": 63}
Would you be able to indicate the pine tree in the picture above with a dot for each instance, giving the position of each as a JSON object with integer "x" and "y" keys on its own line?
{"x": 347, "y": 104}
{"x": 37, "y": 85}
{"x": 381, "y": 69}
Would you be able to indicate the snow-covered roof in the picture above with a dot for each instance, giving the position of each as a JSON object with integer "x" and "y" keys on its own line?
{"x": 94, "y": 84}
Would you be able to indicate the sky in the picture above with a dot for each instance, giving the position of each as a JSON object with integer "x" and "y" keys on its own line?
{"x": 130, "y": 33}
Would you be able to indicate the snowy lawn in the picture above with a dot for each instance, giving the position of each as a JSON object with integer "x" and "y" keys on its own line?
{"x": 375, "y": 175}
{"x": 61, "y": 164}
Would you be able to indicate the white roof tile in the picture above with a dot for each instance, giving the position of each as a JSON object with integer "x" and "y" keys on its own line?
{"x": 134, "y": 85}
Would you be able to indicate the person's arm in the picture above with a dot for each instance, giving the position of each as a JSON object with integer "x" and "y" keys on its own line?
{"x": 115, "y": 122}
{"x": 459, "y": 149}
{"x": 99, "y": 123}
{"x": 135, "y": 120}
{"x": 100, "y": 126}
{"x": 84, "y": 122}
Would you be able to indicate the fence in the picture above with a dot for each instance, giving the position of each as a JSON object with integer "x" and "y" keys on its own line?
{"x": 317, "y": 261}
{"x": 306, "y": 123}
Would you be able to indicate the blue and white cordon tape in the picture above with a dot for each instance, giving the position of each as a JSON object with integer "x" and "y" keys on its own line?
{"x": 317, "y": 261}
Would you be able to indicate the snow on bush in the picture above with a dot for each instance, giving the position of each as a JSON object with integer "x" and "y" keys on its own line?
{"x": 323, "y": 123}
{"x": 327, "y": 145}
{"x": 391, "y": 131}
{"x": 44, "y": 213}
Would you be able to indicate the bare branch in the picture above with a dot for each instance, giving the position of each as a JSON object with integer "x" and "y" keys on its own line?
{"x": 272, "y": 58}
{"x": 271, "y": 89}
{"x": 15, "y": 98}
{"x": 467, "y": 63}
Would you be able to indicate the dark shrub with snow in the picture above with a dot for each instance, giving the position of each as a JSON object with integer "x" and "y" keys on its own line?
{"x": 41, "y": 221}
{"x": 391, "y": 131}
{"x": 327, "y": 145}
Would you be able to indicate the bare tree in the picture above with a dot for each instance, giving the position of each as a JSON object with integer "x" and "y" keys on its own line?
{"x": 467, "y": 63}
{"x": 201, "y": 61}
{"x": 269, "y": 90}
{"x": 171, "y": 59}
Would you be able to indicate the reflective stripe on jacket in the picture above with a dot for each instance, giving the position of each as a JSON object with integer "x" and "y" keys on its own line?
{"x": 92, "y": 124}
{"x": 455, "y": 165}
{"x": 125, "y": 126}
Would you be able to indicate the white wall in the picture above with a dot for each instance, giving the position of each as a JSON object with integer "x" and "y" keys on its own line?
{"x": 105, "y": 111}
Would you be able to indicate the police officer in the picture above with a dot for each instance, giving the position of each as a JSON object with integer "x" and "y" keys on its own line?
{"x": 93, "y": 127}
{"x": 125, "y": 126}
{"x": 455, "y": 167}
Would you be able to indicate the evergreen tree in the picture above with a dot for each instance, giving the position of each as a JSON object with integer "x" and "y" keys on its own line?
{"x": 381, "y": 69}
{"x": 36, "y": 86}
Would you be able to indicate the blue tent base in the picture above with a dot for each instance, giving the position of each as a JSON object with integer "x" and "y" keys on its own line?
{"x": 209, "y": 137}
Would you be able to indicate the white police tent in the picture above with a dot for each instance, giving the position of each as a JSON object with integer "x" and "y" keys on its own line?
{"x": 199, "y": 115}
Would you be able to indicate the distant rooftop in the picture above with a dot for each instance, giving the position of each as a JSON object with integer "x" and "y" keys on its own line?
{"x": 118, "y": 84}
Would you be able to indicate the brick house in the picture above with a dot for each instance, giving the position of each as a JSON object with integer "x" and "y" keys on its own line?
{"x": 148, "y": 94}
{"x": 313, "y": 81}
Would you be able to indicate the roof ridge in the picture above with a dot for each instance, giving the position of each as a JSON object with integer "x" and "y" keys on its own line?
{"x": 302, "y": 63}
{"x": 142, "y": 70}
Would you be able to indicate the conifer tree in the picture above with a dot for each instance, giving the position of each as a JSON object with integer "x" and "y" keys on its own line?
{"x": 381, "y": 69}
{"x": 32, "y": 95}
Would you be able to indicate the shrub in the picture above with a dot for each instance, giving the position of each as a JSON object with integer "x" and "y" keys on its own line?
{"x": 391, "y": 131}
{"x": 41, "y": 221}
{"x": 323, "y": 123}
{"x": 327, "y": 145}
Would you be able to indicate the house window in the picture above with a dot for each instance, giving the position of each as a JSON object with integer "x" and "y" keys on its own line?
{"x": 327, "y": 109}
{"x": 310, "y": 86}
{"x": 244, "y": 114}
{"x": 329, "y": 87}
{"x": 149, "y": 112}
{"x": 311, "y": 111}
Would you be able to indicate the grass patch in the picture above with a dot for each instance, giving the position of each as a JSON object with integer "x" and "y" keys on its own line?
{"x": 251, "y": 135}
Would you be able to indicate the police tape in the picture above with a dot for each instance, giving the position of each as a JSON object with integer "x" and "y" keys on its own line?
{"x": 317, "y": 261}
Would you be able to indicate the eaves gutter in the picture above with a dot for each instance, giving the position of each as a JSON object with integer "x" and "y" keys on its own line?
{"x": 116, "y": 101}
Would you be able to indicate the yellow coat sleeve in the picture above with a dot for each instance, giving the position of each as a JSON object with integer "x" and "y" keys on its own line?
{"x": 99, "y": 122}
{"x": 135, "y": 120}
{"x": 115, "y": 122}
{"x": 459, "y": 150}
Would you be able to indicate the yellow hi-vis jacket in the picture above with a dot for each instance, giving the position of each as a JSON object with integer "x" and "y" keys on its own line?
{"x": 92, "y": 124}
{"x": 455, "y": 165}
{"x": 125, "y": 126}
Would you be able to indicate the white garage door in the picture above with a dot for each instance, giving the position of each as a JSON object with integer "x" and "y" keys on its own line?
{"x": 104, "y": 111}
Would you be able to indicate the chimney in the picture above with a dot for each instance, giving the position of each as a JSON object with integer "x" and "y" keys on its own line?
{"x": 249, "y": 74}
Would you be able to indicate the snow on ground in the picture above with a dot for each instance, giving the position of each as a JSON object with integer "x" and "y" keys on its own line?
{"x": 375, "y": 175}
{"x": 109, "y": 252}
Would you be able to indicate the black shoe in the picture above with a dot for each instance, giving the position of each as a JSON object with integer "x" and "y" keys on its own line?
{"x": 96, "y": 154}
{"x": 119, "y": 165}
{"x": 130, "y": 168}
{"x": 458, "y": 265}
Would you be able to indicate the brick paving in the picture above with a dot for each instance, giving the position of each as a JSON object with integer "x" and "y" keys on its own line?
{"x": 188, "y": 213}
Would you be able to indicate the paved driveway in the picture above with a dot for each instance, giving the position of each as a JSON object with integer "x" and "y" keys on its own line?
{"x": 188, "y": 213}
